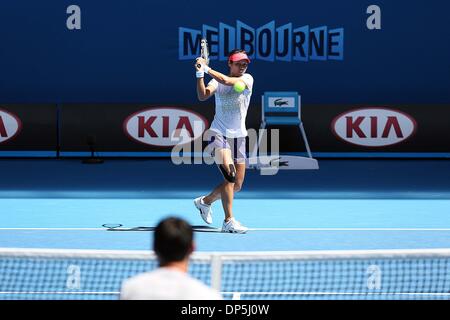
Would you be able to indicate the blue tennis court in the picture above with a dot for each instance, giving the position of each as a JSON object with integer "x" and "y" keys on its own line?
{"x": 359, "y": 204}
{"x": 347, "y": 205}
{"x": 276, "y": 224}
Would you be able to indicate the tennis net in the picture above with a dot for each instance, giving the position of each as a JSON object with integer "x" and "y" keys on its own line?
{"x": 95, "y": 274}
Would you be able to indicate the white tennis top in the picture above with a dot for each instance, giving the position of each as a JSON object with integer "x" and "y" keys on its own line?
{"x": 166, "y": 284}
{"x": 231, "y": 108}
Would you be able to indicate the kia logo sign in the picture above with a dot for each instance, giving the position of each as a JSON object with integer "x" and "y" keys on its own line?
{"x": 165, "y": 126}
{"x": 10, "y": 125}
{"x": 374, "y": 127}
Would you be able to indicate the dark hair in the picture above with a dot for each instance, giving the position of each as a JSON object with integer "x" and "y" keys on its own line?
{"x": 173, "y": 240}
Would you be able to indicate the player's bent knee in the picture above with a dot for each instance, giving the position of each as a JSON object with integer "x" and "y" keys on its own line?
{"x": 237, "y": 187}
{"x": 230, "y": 176}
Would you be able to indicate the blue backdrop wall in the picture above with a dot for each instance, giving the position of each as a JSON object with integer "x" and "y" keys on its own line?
{"x": 142, "y": 50}
{"x": 76, "y": 71}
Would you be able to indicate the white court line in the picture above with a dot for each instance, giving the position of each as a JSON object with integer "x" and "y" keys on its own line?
{"x": 250, "y": 229}
{"x": 56, "y": 229}
{"x": 60, "y": 292}
{"x": 338, "y": 293}
{"x": 350, "y": 229}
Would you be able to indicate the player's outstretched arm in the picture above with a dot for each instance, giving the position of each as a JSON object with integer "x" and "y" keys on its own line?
{"x": 223, "y": 79}
{"x": 201, "y": 66}
{"x": 203, "y": 92}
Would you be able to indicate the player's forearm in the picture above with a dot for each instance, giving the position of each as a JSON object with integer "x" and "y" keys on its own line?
{"x": 201, "y": 89}
{"x": 221, "y": 78}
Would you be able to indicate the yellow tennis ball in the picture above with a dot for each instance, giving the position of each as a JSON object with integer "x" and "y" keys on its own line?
{"x": 239, "y": 86}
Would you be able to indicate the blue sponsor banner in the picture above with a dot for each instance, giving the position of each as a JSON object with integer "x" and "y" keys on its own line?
{"x": 301, "y": 39}
{"x": 336, "y": 44}
{"x": 267, "y": 43}
{"x": 284, "y": 42}
{"x": 228, "y": 40}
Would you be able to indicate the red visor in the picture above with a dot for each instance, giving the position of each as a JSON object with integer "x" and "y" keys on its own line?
{"x": 239, "y": 56}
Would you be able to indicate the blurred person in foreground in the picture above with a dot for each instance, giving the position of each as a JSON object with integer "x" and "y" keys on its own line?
{"x": 173, "y": 244}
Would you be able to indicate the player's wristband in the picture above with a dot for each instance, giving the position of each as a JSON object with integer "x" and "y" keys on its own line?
{"x": 206, "y": 68}
{"x": 200, "y": 74}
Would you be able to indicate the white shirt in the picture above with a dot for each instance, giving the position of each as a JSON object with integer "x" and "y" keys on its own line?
{"x": 231, "y": 108}
{"x": 166, "y": 284}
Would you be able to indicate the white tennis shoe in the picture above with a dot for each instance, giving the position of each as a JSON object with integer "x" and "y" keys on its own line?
{"x": 205, "y": 210}
{"x": 233, "y": 226}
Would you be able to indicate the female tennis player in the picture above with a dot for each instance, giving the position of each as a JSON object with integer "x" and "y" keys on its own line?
{"x": 228, "y": 133}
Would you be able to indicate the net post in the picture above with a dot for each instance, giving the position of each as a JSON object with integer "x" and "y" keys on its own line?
{"x": 236, "y": 296}
{"x": 216, "y": 271}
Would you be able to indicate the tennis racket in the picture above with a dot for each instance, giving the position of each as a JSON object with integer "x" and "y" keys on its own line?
{"x": 204, "y": 53}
